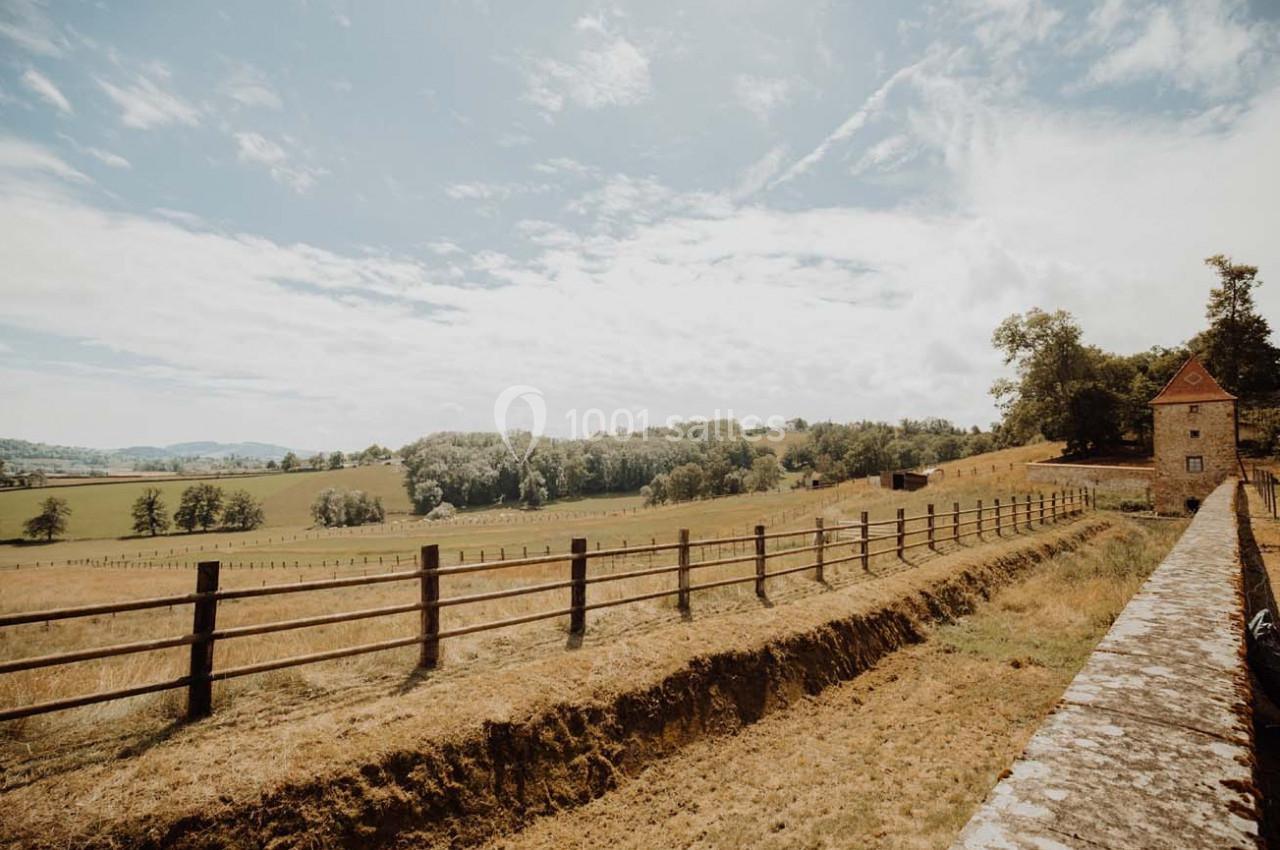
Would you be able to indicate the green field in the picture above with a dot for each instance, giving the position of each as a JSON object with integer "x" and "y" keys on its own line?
{"x": 102, "y": 510}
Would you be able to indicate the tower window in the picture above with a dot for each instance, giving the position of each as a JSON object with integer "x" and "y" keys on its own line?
{"x": 1195, "y": 463}
{"x": 1194, "y": 434}
{"x": 1194, "y": 408}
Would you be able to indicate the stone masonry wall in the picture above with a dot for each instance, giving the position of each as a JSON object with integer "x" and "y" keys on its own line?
{"x": 1151, "y": 746}
{"x": 1107, "y": 479}
{"x": 1216, "y": 444}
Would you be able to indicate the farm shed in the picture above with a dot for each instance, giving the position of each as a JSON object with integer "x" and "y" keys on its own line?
{"x": 903, "y": 479}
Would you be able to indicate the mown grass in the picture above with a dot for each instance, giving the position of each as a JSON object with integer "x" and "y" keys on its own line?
{"x": 102, "y": 510}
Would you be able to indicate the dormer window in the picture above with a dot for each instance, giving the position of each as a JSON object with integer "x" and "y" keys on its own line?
{"x": 1194, "y": 408}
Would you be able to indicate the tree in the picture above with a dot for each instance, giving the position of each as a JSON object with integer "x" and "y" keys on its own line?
{"x": 243, "y": 512}
{"x": 316, "y": 461}
{"x": 150, "y": 516}
{"x": 271, "y": 464}
{"x": 289, "y": 462}
{"x": 1236, "y": 347}
{"x": 50, "y": 522}
{"x": 200, "y": 505}
{"x": 765, "y": 473}
{"x": 685, "y": 482}
{"x": 336, "y": 460}
{"x": 328, "y": 509}
{"x": 533, "y": 488}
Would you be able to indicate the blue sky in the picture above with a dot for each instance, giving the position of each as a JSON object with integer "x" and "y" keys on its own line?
{"x": 326, "y": 224}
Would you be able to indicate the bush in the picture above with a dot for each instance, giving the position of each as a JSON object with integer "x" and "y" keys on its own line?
{"x": 444, "y": 510}
{"x": 334, "y": 507}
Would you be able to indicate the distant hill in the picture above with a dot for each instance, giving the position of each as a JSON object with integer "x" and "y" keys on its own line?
{"x": 207, "y": 449}
{"x": 22, "y": 453}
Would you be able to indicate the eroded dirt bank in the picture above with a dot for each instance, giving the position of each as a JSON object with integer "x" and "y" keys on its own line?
{"x": 461, "y": 762}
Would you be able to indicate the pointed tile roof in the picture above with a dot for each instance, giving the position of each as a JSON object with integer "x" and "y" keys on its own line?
{"x": 1192, "y": 383}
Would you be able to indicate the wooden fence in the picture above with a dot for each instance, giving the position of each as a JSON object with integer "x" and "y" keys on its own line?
{"x": 1264, "y": 481}
{"x": 823, "y": 540}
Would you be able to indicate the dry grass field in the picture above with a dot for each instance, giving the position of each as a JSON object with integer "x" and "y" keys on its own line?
{"x": 897, "y": 758}
{"x": 610, "y": 523}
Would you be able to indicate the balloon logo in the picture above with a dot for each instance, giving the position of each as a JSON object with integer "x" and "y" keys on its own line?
{"x": 502, "y": 405}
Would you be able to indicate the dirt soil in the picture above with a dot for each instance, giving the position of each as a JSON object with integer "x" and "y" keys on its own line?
{"x": 452, "y": 760}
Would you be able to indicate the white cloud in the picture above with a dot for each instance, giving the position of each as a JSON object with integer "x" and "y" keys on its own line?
{"x": 884, "y": 155}
{"x": 108, "y": 158}
{"x": 19, "y": 157}
{"x": 869, "y": 109}
{"x": 566, "y": 165}
{"x": 258, "y": 149}
{"x": 480, "y": 190}
{"x": 44, "y": 87}
{"x": 254, "y": 147}
{"x": 26, "y": 24}
{"x": 144, "y": 104}
{"x": 761, "y": 95}
{"x": 1198, "y": 45}
{"x": 248, "y": 86}
{"x": 614, "y": 72}
{"x": 444, "y": 247}
{"x": 760, "y": 172}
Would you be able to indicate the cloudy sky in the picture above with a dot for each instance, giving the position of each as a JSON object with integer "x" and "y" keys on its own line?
{"x": 323, "y": 224}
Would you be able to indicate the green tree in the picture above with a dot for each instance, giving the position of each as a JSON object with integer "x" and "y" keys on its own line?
{"x": 316, "y": 461}
{"x": 289, "y": 462}
{"x": 1049, "y": 358}
{"x": 200, "y": 505}
{"x": 243, "y": 512}
{"x": 765, "y": 473}
{"x": 685, "y": 482}
{"x": 1236, "y": 347}
{"x": 150, "y": 516}
{"x": 50, "y": 522}
{"x": 329, "y": 508}
{"x": 533, "y": 487}
{"x": 336, "y": 460}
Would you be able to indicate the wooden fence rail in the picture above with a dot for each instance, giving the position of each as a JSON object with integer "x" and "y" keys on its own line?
{"x": 1264, "y": 481}
{"x": 903, "y": 533}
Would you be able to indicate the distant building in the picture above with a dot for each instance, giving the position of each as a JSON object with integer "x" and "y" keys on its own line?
{"x": 1195, "y": 439}
{"x": 903, "y": 479}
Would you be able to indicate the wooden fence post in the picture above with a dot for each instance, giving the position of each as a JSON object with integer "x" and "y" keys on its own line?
{"x": 429, "y": 616}
{"x": 760, "y": 561}
{"x": 979, "y": 519}
{"x": 1041, "y": 508}
{"x": 200, "y": 689}
{"x": 929, "y": 512}
{"x": 1053, "y": 506}
{"x": 819, "y": 540}
{"x": 866, "y": 552}
{"x": 578, "y": 590}
{"x": 902, "y": 530}
{"x": 682, "y": 574}
{"x": 955, "y": 521}
{"x": 999, "y": 531}
{"x": 1028, "y": 512}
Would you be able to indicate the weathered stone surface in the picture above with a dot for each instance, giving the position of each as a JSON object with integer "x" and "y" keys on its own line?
{"x": 1151, "y": 745}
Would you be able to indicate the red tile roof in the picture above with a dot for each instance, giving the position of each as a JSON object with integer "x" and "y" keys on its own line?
{"x": 1191, "y": 384}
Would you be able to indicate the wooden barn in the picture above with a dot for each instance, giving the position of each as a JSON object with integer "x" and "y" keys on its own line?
{"x": 904, "y": 479}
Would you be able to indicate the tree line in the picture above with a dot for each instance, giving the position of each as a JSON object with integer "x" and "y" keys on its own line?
{"x": 1095, "y": 400}
{"x": 202, "y": 506}
{"x": 857, "y": 449}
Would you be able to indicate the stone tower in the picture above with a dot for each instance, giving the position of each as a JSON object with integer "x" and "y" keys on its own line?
{"x": 1195, "y": 439}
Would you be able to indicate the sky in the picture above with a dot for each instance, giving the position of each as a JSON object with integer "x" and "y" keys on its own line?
{"x": 327, "y": 224}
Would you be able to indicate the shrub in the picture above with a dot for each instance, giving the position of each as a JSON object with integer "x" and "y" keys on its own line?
{"x": 444, "y": 510}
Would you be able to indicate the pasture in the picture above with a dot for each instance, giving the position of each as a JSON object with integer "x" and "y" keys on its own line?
{"x": 298, "y": 554}
{"x": 100, "y": 509}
